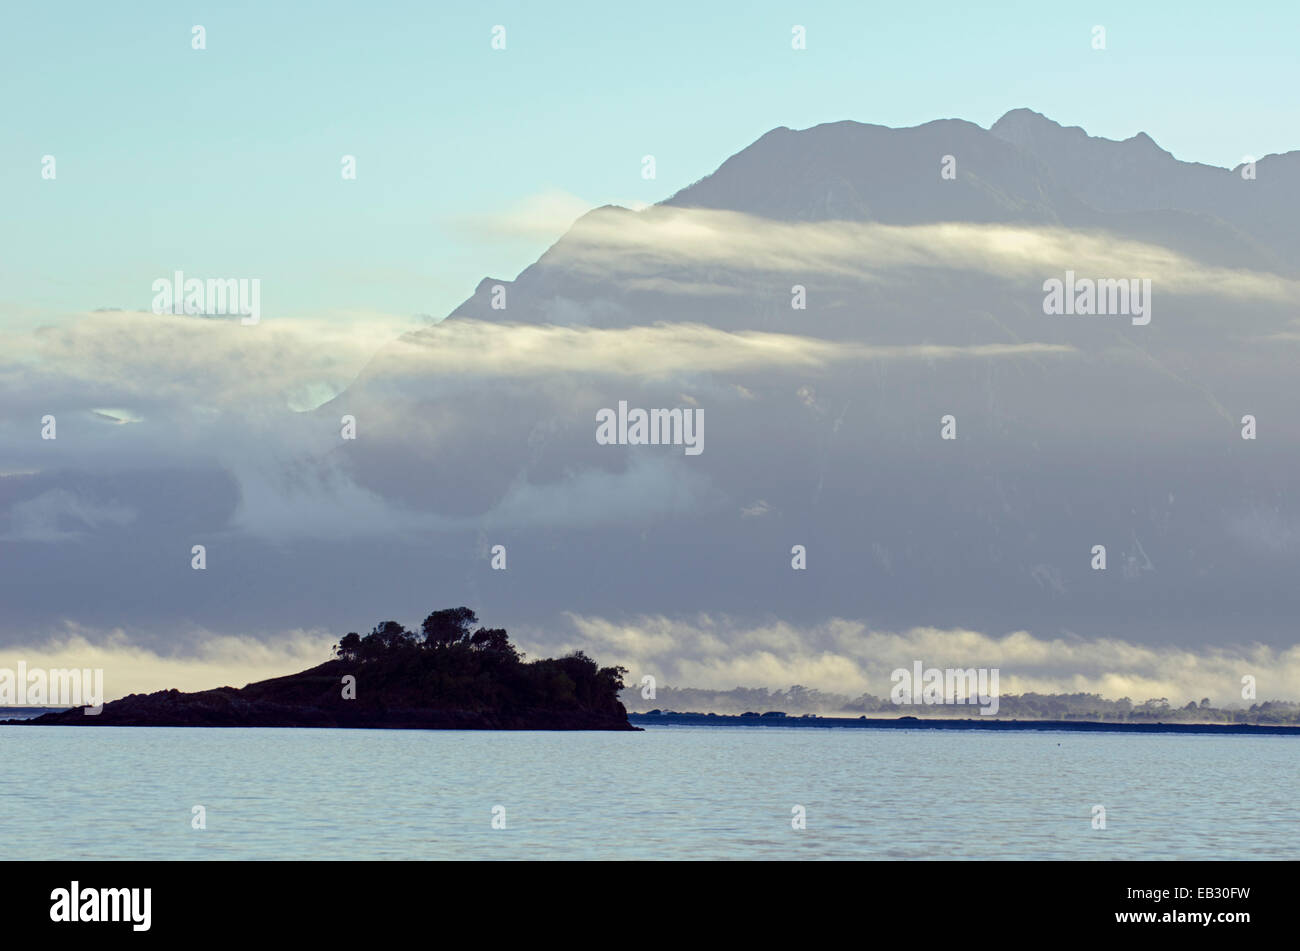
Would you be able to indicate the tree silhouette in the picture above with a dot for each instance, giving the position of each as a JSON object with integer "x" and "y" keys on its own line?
{"x": 456, "y": 665}
{"x": 449, "y": 626}
{"x": 493, "y": 641}
{"x": 349, "y": 646}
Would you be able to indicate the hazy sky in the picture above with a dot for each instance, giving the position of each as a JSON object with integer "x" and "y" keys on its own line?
{"x": 822, "y": 426}
{"x": 470, "y": 160}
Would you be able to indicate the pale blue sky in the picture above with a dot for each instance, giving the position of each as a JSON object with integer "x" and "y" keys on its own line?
{"x": 226, "y": 161}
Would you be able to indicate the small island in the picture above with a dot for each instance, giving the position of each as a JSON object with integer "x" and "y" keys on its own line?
{"x": 449, "y": 675}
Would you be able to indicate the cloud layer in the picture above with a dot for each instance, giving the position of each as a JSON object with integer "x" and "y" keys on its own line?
{"x": 849, "y": 657}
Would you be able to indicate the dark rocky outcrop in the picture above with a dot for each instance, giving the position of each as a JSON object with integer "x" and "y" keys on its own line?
{"x": 444, "y": 678}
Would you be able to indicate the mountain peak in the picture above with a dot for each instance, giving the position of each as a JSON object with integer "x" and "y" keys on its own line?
{"x": 850, "y": 170}
{"x": 1031, "y": 130}
{"x": 1023, "y": 118}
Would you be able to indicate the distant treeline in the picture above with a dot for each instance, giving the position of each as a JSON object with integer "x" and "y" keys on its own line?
{"x": 798, "y": 700}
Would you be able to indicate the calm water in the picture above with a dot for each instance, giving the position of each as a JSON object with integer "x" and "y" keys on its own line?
{"x": 670, "y": 792}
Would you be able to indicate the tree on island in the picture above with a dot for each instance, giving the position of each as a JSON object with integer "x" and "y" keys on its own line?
{"x": 442, "y": 630}
{"x": 455, "y": 661}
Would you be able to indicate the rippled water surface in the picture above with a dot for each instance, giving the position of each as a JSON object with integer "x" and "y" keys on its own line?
{"x": 670, "y": 792}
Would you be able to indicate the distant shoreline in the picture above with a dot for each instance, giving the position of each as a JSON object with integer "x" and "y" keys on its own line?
{"x": 935, "y": 723}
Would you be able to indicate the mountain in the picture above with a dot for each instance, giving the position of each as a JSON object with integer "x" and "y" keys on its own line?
{"x": 1136, "y": 175}
{"x": 1025, "y": 170}
{"x": 860, "y": 172}
{"x": 827, "y": 297}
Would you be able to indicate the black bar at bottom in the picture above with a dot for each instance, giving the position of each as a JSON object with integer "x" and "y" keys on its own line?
{"x": 302, "y": 900}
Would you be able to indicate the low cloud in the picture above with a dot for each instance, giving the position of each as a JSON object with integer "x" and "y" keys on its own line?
{"x": 215, "y": 660}
{"x": 617, "y": 244}
{"x": 463, "y": 346}
{"x": 709, "y": 652}
{"x": 544, "y": 215}
{"x": 171, "y": 360}
{"x": 61, "y": 515}
{"x": 849, "y": 657}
